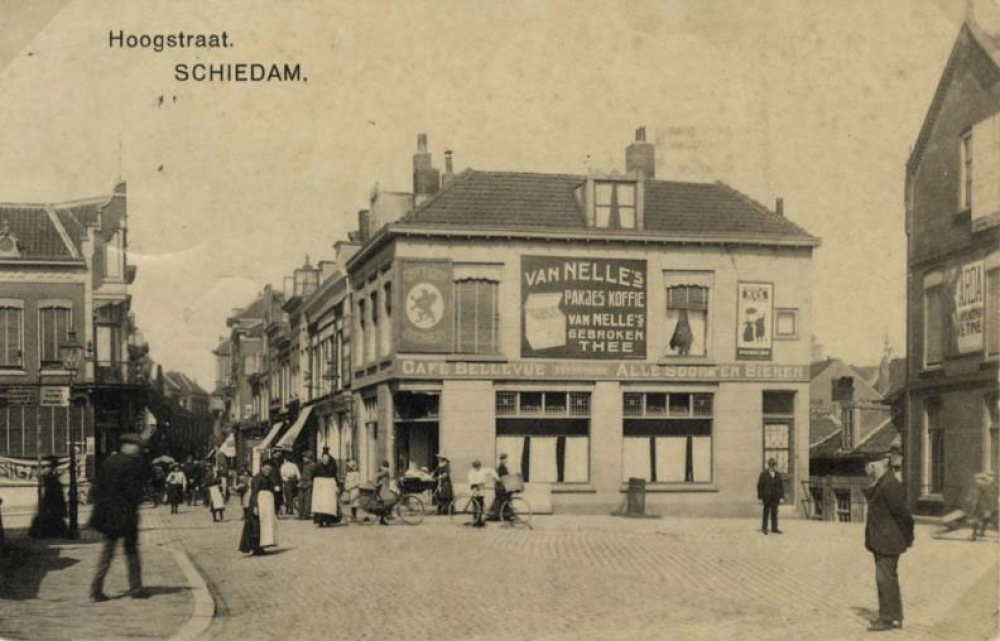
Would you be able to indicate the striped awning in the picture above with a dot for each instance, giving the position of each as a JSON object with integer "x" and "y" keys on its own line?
{"x": 287, "y": 441}
{"x": 271, "y": 435}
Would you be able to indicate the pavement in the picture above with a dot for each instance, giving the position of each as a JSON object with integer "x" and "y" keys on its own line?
{"x": 572, "y": 577}
{"x": 44, "y": 587}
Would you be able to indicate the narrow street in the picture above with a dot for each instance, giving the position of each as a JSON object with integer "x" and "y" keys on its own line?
{"x": 583, "y": 577}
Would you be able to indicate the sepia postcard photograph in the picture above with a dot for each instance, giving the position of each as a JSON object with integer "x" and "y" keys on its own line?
{"x": 530, "y": 320}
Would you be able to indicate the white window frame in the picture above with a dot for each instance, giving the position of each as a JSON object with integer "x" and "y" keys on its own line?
{"x": 677, "y": 278}
{"x": 45, "y": 305}
{"x": 794, "y": 335}
{"x": 966, "y": 156}
{"x": 13, "y": 303}
{"x": 932, "y": 280}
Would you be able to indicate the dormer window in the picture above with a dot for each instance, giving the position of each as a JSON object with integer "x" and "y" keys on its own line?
{"x": 614, "y": 205}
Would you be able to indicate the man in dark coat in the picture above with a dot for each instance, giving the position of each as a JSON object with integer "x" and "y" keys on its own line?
{"x": 117, "y": 494}
{"x": 306, "y": 486}
{"x": 770, "y": 492}
{"x": 888, "y": 532}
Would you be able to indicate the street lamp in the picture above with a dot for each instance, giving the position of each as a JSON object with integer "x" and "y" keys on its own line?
{"x": 71, "y": 352}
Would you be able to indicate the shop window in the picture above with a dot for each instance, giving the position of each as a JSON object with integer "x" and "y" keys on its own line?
{"x": 615, "y": 205}
{"x": 779, "y": 434}
{"x": 547, "y": 437}
{"x": 477, "y": 317}
{"x": 659, "y": 449}
{"x": 54, "y": 325}
{"x": 934, "y": 325}
{"x": 688, "y": 295}
{"x": 11, "y": 334}
{"x": 993, "y": 312}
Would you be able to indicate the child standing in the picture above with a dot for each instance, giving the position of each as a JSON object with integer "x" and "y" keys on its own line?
{"x": 352, "y": 486}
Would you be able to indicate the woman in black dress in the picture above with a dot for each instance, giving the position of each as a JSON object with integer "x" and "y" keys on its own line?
{"x": 250, "y": 539}
{"x": 51, "y": 518}
{"x": 445, "y": 493}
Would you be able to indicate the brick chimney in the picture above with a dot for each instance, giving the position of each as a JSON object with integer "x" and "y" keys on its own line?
{"x": 449, "y": 170}
{"x": 640, "y": 156}
{"x": 779, "y": 206}
{"x": 364, "y": 225}
{"x": 426, "y": 178}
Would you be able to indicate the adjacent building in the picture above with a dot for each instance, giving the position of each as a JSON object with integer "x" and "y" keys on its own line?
{"x": 953, "y": 267}
{"x": 65, "y": 278}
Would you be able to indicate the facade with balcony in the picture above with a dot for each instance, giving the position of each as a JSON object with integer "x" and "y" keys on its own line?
{"x": 65, "y": 278}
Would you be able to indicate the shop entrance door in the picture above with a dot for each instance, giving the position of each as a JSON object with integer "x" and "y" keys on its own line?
{"x": 417, "y": 443}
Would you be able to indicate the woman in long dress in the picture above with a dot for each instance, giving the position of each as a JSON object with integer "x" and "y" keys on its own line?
{"x": 176, "y": 487}
{"x": 325, "y": 507}
{"x": 51, "y": 518}
{"x": 445, "y": 493}
{"x": 260, "y": 529}
{"x": 352, "y": 486}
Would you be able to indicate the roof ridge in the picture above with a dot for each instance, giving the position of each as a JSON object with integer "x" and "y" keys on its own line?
{"x": 753, "y": 202}
{"x": 61, "y": 230}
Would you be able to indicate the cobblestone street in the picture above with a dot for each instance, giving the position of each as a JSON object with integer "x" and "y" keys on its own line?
{"x": 584, "y": 577}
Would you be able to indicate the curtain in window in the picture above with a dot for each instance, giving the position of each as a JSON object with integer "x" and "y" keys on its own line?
{"x": 576, "y": 467}
{"x": 513, "y": 447}
{"x": 671, "y": 459}
{"x": 687, "y": 319}
{"x": 635, "y": 458}
{"x": 542, "y": 462}
{"x": 701, "y": 458}
{"x": 476, "y": 316}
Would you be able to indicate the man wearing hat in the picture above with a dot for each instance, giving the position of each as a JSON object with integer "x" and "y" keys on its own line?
{"x": 888, "y": 533}
{"x": 117, "y": 495}
{"x": 499, "y": 489}
{"x": 770, "y": 493}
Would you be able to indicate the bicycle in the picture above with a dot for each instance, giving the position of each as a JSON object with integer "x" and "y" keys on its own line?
{"x": 392, "y": 505}
{"x": 515, "y": 511}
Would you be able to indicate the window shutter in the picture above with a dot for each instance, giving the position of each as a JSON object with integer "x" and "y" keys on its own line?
{"x": 986, "y": 173}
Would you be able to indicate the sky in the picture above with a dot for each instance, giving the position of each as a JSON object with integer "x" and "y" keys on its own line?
{"x": 232, "y": 185}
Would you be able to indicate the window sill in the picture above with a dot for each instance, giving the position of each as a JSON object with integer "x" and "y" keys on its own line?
{"x": 656, "y": 488}
{"x": 961, "y": 215}
{"x": 476, "y": 358}
{"x": 13, "y": 372}
{"x": 685, "y": 360}
{"x": 931, "y": 498}
{"x": 573, "y": 488}
{"x": 54, "y": 372}
{"x": 931, "y": 371}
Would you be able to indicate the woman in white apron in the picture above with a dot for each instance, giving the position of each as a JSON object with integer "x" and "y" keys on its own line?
{"x": 260, "y": 530}
{"x": 325, "y": 491}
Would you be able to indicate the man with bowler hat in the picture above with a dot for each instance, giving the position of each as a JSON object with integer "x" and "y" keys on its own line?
{"x": 888, "y": 533}
{"x": 770, "y": 492}
{"x": 117, "y": 495}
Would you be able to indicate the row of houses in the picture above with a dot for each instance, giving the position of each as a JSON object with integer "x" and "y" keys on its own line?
{"x": 595, "y": 328}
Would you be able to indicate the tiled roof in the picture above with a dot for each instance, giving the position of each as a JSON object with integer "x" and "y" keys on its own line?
{"x": 821, "y": 426}
{"x": 527, "y": 201}
{"x": 34, "y": 228}
{"x": 181, "y": 383}
{"x": 817, "y": 368}
{"x": 880, "y": 440}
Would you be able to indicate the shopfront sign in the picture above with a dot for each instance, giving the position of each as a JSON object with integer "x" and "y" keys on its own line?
{"x": 755, "y": 321}
{"x": 602, "y": 370}
{"x": 424, "y": 310}
{"x": 969, "y": 296}
{"x": 54, "y": 396}
{"x": 584, "y": 308}
{"x": 20, "y": 471}
{"x": 18, "y": 396}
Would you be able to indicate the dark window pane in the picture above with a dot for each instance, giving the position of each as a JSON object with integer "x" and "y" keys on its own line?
{"x": 680, "y": 404}
{"x": 779, "y": 402}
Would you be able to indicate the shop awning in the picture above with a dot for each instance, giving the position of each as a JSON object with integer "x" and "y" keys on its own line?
{"x": 288, "y": 440}
{"x": 266, "y": 443}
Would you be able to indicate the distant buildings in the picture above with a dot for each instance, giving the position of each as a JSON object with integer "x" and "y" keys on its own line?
{"x": 953, "y": 266}
{"x": 594, "y": 328}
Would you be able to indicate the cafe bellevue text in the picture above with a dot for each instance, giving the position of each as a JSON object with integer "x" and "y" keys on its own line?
{"x": 594, "y": 328}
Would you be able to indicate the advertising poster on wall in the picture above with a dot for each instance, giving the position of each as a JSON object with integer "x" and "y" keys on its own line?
{"x": 583, "y": 308}
{"x": 754, "y": 321}
{"x": 969, "y": 297}
{"x": 425, "y": 306}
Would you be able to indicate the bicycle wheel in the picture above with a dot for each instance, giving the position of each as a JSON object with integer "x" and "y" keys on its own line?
{"x": 516, "y": 511}
{"x": 410, "y": 510}
{"x": 461, "y": 510}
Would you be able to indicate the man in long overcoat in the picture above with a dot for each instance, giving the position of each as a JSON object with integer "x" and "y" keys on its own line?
{"x": 117, "y": 494}
{"x": 770, "y": 493}
{"x": 888, "y": 533}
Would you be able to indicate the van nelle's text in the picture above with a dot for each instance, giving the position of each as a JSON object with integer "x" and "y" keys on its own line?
{"x": 203, "y": 71}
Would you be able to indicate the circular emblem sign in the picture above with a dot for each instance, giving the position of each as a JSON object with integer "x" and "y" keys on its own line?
{"x": 424, "y": 305}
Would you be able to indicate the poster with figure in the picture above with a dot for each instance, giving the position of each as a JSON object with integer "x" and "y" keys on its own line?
{"x": 583, "y": 307}
{"x": 754, "y": 321}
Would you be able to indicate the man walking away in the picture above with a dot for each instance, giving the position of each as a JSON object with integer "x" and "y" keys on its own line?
{"x": 290, "y": 484}
{"x": 770, "y": 493}
{"x": 192, "y": 472}
{"x": 118, "y": 493}
{"x": 888, "y": 532}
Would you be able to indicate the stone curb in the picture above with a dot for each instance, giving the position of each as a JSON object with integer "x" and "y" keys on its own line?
{"x": 204, "y": 605}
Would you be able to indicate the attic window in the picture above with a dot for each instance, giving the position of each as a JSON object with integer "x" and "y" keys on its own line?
{"x": 614, "y": 205}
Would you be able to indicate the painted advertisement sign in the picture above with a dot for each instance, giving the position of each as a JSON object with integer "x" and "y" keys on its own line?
{"x": 602, "y": 370}
{"x": 424, "y": 304}
{"x": 755, "y": 321}
{"x": 593, "y": 308}
{"x": 969, "y": 297}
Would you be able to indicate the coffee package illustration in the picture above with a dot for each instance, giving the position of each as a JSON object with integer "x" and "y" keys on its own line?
{"x": 544, "y": 323}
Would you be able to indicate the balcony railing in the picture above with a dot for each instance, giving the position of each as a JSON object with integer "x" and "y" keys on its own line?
{"x": 112, "y": 373}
